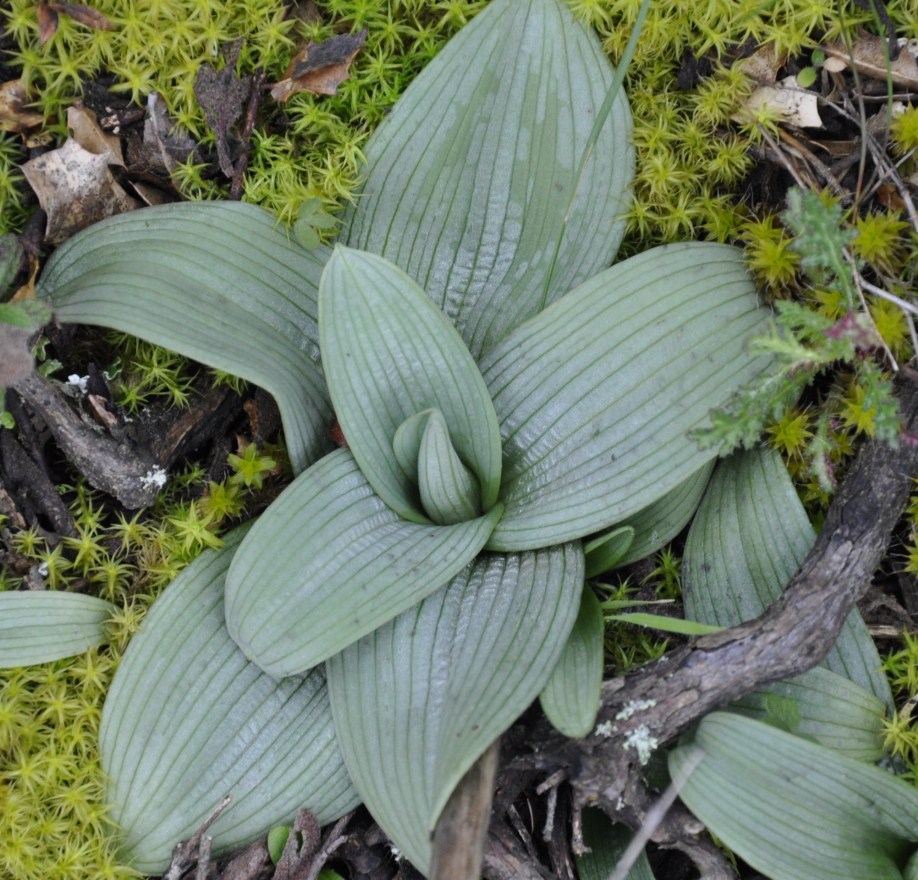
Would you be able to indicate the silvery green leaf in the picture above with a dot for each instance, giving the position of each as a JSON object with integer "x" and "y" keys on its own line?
{"x": 793, "y": 809}
{"x": 607, "y": 843}
{"x": 449, "y": 490}
{"x": 605, "y": 552}
{"x": 329, "y": 562}
{"x": 748, "y": 538}
{"x": 596, "y": 395}
{"x": 661, "y": 521}
{"x": 570, "y": 698}
{"x": 189, "y": 719}
{"x": 37, "y": 626}
{"x": 419, "y": 700}
{"x": 831, "y": 709}
{"x": 214, "y": 281}
{"x": 390, "y": 353}
{"x": 471, "y": 175}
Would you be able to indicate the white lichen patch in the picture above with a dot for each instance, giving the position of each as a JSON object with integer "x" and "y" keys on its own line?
{"x": 78, "y": 382}
{"x": 633, "y": 707}
{"x": 605, "y": 729}
{"x": 643, "y": 742}
{"x": 155, "y": 477}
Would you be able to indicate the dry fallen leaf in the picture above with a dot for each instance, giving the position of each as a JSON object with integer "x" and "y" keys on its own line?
{"x": 47, "y": 22}
{"x": 869, "y": 57}
{"x": 165, "y": 146}
{"x": 763, "y": 65}
{"x": 14, "y": 117}
{"x": 75, "y": 189}
{"x": 320, "y": 68}
{"x": 84, "y": 14}
{"x": 84, "y": 129}
{"x": 795, "y": 105}
{"x": 222, "y": 96}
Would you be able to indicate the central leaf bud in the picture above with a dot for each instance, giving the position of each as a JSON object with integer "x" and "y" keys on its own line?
{"x": 449, "y": 491}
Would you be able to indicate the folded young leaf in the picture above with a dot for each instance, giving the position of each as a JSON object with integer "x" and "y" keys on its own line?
{"x": 748, "y": 538}
{"x": 189, "y": 719}
{"x": 471, "y": 175}
{"x": 597, "y": 394}
{"x": 604, "y": 552}
{"x": 37, "y": 626}
{"x": 215, "y": 281}
{"x": 329, "y": 562}
{"x": 390, "y": 353}
{"x": 420, "y": 699}
{"x": 795, "y": 810}
{"x": 449, "y": 490}
{"x": 570, "y": 698}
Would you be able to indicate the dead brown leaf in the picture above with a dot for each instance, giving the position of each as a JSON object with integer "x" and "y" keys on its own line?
{"x": 222, "y": 96}
{"x": 15, "y": 356}
{"x": 85, "y": 130}
{"x": 320, "y": 68}
{"x": 75, "y": 188}
{"x": 869, "y": 56}
{"x": 14, "y": 117}
{"x": 84, "y": 14}
{"x": 47, "y": 23}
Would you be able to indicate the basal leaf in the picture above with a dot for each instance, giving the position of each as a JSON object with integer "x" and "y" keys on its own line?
{"x": 605, "y": 552}
{"x": 831, "y": 709}
{"x": 597, "y": 394}
{"x": 37, "y": 626}
{"x": 471, "y": 175}
{"x": 795, "y": 810}
{"x": 419, "y": 700}
{"x": 389, "y": 354}
{"x": 570, "y": 699}
{"x": 748, "y": 538}
{"x": 329, "y": 562}
{"x": 215, "y": 281}
{"x": 606, "y": 844}
{"x": 189, "y": 719}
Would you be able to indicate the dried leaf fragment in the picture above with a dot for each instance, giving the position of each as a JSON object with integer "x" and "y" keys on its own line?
{"x": 85, "y": 130}
{"x": 870, "y": 56}
{"x": 795, "y": 105}
{"x": 75, "y": 189}
{"x": 84, "y": 14}
{"x": 222, "y": 96}
{"x": 320, "y": 67}
{"x": 14, "y": 117}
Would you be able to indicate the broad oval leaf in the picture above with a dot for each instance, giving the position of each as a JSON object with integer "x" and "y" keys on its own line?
{"x": 420, "y": 699}
{"x": 471, "y": 176}
{"x": 796, "y": 810}
{"x": 570, "y": 698}
{"x": 596, "y": 395}
{"x": 189, "y": 719}
{"x": 390, "y": 353}
{"x": 329, "y": 562}
{"x": 214, "y": 281}
{"x": 37, "y": 626}
{"x": 749, "y": 536}
{"x": 831, "y": 709}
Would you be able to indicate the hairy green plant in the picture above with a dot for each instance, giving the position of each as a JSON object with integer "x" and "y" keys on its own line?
{"x": 500, "y": 400}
